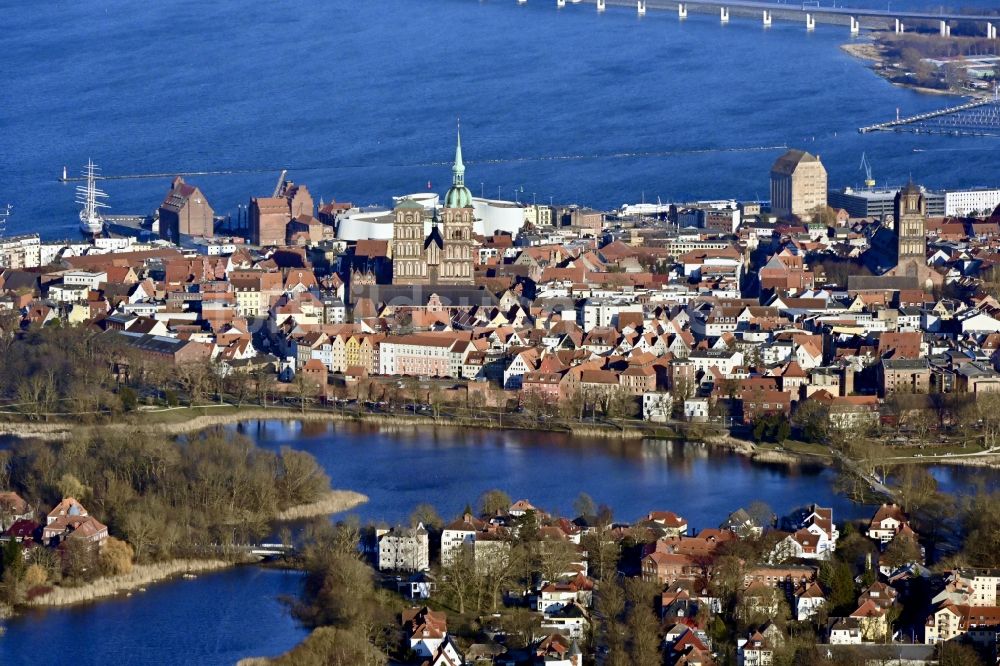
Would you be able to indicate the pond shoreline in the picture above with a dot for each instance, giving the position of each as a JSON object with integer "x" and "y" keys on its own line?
{"x": 204, "y": 419}
{"x": 334, "y": 501}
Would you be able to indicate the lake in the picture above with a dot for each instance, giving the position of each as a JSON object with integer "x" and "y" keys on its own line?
{"x": 221, "y": 617}
{"x": 216, "y": 618}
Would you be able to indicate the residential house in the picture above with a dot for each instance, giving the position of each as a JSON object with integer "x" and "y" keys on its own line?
{"x": 657, "y": 407}
{"x": 808, "y": 600}
{"x": 844, "y": 631}
{"x": 948, "y": 622}
{"x": 671, "y": 524}
{"x": 557, "y": 650}
{"x": 760, "y": 404}
{"x": 426, "y": 630}
{"x": 571, "y": 620}
{"x": 888, "y": 520}
{"x": 758, "y": 648}
{"x": 696, "y": 410}
{"x": 70, "y": 520}
{"x": 12, "y": 509}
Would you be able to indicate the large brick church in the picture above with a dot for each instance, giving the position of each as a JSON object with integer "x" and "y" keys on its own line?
{"x": 444, "y": 256}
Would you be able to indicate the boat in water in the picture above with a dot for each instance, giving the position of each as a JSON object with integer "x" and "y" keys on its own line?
{"x": 92, "y": 200}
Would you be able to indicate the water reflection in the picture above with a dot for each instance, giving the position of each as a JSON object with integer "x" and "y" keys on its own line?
{"x": 401, "y": 467}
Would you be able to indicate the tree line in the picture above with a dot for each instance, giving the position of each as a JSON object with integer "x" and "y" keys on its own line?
{"x": 159, "y": 496}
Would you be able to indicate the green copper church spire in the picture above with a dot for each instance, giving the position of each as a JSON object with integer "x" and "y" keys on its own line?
{"x": 458, "y": 195}
{"x": 458, "y": 168}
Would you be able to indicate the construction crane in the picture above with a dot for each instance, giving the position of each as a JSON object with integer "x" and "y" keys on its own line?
{"x": 281, "y": 181}
{"x": 867, "y": 166}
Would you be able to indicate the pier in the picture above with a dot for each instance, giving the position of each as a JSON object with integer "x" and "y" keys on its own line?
{"x": 979, "y": 117}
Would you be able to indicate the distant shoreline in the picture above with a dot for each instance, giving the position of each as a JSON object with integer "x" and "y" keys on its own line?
{"x": 334, "y": 501}
{"x": 869, "y": 51}
{"x": 217, "y": 416}
{"x": 140, "y": 576}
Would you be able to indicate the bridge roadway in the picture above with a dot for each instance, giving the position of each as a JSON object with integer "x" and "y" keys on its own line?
{"x": 805, "y": 8}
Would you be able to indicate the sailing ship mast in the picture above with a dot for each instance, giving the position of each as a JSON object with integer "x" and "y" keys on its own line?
{"x": 92, "y": 200}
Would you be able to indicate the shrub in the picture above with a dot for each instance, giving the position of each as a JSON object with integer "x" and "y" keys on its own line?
{"x": 116, "y": 557}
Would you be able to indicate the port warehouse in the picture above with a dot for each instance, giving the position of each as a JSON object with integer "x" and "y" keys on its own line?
{"x": 878, "y": 202}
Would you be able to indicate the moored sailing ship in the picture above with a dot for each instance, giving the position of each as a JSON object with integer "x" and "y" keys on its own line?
{"x": 92, "y": 200}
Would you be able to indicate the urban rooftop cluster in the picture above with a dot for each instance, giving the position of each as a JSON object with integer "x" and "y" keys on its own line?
{"x": 829, "y": 317}
{"x": 722, "y": 311}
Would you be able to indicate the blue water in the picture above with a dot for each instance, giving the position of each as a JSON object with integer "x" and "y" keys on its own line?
{"x": 360, "y": 90}
{"x": 218, "y": 618}
{"x": 451, "y": 468}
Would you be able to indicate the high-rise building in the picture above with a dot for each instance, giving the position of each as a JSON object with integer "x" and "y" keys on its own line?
{"x": 798, "y": 185}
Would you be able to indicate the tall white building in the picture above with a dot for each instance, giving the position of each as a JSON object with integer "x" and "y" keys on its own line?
{"x": 960, "y": 203}
{"x": 403, "y": 549}
{"x": 20, "y": 252}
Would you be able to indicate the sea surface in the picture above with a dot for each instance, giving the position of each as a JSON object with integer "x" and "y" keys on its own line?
{"x": 359, "y": 100}
{"x": 221, "y": 617}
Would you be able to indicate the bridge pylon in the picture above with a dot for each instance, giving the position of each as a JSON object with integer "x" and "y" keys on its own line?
{"x": 855, "y": 25}
{"x": 724, "y": 14}
{"x": 810, "y": 22}
{"x": 601, "y": 5}
{"x": 900, "y": 28}
{"x": 640, "y": 7}
{"x": 682, "y": 10}
{"x": 767, "y": 19}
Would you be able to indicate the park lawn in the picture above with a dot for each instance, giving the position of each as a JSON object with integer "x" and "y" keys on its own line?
{"x": 185, "y": 414}
{"x": 936, "y": 450}
{"x": 808, "y": 448}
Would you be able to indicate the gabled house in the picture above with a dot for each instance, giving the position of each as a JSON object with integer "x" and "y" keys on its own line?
{"x": 888, "y": 520}
{"x": 425, "y": 630}
{"x": 758, "y": 648}
{"x": 671, "y": 524}
{"x": 808, "y": 600}
{"x": 12, "y": 509}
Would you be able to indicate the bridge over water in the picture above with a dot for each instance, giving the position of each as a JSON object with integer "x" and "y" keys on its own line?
{"x": 808, "y": 12}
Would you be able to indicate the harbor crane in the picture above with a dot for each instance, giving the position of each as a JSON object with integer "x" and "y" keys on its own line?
{"x": 867, "y": 166}
{"x": 281, "y": 181}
